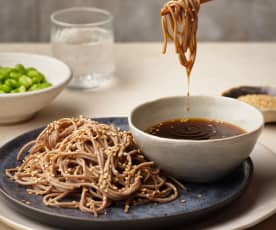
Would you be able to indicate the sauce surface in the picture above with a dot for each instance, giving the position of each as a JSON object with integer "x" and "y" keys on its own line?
{"x": 195, "y": 129}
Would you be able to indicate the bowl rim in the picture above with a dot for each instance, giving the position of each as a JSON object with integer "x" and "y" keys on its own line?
{"x": 170, "y": 140}
{"x": 65, "y": 81}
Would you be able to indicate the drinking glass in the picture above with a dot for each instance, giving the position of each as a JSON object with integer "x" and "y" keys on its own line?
{"x": 83, "y": 38}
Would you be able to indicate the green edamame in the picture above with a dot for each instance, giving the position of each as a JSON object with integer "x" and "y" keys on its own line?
{"x": 21, "y": 79}
{"x": 5, "y": 88}
{"x": 25, "y": 81}
{"x": 20, "y": 68}
{"x": 12, "y": 83}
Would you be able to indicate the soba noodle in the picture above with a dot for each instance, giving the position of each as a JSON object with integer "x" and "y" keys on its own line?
{"x": 179, "y": 23}
{"x": 79, "y": 163}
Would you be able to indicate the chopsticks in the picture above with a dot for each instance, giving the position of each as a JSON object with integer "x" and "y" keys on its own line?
{"x": 164, "y": 12}
{"x": 204, "y": 1}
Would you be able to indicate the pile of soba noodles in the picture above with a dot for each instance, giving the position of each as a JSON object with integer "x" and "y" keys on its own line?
{"x": 80, "y": 163}
{"x": 179, "y": 23}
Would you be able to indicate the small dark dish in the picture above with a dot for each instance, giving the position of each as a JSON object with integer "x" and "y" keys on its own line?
{"x": 268, "y": 114}
{"x": 201, "y": 199}
{"x": 245, "y": 90}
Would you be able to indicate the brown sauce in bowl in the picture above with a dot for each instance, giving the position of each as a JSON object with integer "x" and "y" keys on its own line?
{"x": 195, "y": 129}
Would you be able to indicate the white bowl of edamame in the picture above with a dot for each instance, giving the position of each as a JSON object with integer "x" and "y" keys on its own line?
{"x": 29, "y": 82}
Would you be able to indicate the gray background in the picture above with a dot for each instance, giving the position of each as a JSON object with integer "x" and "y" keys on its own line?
{"x": 138, "y": 20}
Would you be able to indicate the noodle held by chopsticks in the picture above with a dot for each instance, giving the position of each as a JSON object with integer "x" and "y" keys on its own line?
{"x": 79, "y": 163}
{"x": 179, "y": 24}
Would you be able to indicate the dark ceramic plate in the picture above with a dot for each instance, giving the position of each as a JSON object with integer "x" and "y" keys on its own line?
{"x": 201, "y": 199}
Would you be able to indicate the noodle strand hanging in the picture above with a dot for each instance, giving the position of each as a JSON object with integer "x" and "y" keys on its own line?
{"x": 179, "y": 24}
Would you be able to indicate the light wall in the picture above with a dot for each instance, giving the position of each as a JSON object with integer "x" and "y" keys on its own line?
{"x": 138, "y": 20}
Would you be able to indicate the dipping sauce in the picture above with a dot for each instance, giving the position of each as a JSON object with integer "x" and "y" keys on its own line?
{"x": 195, "y": 129}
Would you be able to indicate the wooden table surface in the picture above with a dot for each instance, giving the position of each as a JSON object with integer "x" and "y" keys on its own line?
{"x": 143, "y": 73}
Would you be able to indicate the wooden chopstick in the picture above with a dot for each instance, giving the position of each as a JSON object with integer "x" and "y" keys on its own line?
{"x": 164, "y": 12}
{"x": 204, "y": 1}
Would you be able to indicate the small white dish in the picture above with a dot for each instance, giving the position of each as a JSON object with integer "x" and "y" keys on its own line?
{"x": 22, "y": 106}
{"x": 191, "y": 160}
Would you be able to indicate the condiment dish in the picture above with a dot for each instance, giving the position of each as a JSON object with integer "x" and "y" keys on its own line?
{"x": 197, "y": 160}
{"x": 236, "y": 92}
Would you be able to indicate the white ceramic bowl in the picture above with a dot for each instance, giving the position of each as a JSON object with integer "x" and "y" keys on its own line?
{"x": 191, "y": 160}
{"x": 22, "y": 106}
